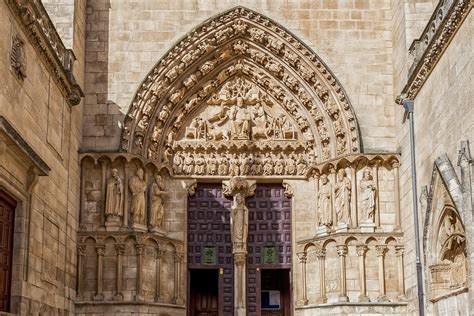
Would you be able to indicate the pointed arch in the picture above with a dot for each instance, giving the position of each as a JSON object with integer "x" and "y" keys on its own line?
{"x": 281, "y": 74}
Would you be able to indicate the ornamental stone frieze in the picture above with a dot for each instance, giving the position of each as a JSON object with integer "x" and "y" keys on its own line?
{"x": 240, "y": 84}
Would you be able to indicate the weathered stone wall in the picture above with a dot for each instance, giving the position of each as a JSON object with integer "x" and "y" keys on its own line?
{"x": 126, "y": 40}
{"x": 44, "y": 274}
{"x": 443, "y": 118}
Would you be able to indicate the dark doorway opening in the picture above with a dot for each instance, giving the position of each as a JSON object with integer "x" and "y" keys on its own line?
{"x": 204, "y": 292}
{"x": 7, "y": 217}
{"x": 275, "y": 292}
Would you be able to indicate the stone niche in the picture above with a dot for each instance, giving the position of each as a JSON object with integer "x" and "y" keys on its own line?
{"x": 355, "y": 250}
{"x": 129, "y": 249}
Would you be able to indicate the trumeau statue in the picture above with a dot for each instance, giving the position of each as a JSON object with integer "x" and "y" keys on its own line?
{"x": 367, "y": 196}
{"x": 114, "y": 198}
{"x": 138, "y": 188}
{"x": 342, "y": 197}
{"x": 325, "y": 202}
{"x": 239, "y": 222}
{"x": 157, "y": 209}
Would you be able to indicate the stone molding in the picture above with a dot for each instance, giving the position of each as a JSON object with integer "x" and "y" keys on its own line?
{"x": 428, "y": 49}
{"x": 39, "y": 28}
{"x": 41, "y": 166}
{"x": 239, "y": 44}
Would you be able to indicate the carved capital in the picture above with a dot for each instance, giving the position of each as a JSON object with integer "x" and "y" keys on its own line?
{"x": 399, "y": 250}
{"x": 159, "y": 253}
{"x": 341, "y": 250}
{"x": 191, "y": 188}
{"x": 178, "y": 257}
{"x": 240, "y": 258}
{"x": 302, "y": 257}
{"x": 321, "y": 254}
{"x": 120, "y": 249}
{"x": 381, "y": 250}
{"x": 288, "y": 189}
{"x": 81, "y": 249}
{"x": 100, "y": 248}
{"x": 139, "y": 248}
{"x": 239, "y": 185}
{"x": 361, "y": 250}
{"x": 395, "y": 164}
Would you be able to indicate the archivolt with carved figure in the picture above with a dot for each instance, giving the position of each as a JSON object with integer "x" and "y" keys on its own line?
{"x": 240, "y": 84}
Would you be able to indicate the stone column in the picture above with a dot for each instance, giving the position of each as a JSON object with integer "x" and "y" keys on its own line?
{"x": 342, "y": 252}
{"x": 139, "y": 253}
{"x": 396, "y": 193}
{"x": 81, "y": 252}
{"x": 99, "y": 296}
{"x": 239, "y": 189}
{"x": 120, "y": 249}
{"x": 83, "y": 196}
{"x": 400, "y": 250}
{"x": 321, "y": 254}
{"x": 361, "y": 251}
{"x": 381, "y": 251}
{"x": 125, "y": 196}
{"x": 159, "y": 259}
{"x": 316, "y": 192}
{"x": 103, "y": 165}
{"x": 354, "y": 208}
{"x": 377, "y": 190}
{"x": 177, "y": 299}
{"x": 303, "y": 300}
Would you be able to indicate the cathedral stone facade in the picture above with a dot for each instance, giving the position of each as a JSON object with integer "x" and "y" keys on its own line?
{"x": 236, "y": 157}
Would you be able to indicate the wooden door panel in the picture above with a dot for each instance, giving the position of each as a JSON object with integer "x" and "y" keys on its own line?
{"x": 7, "y": 214}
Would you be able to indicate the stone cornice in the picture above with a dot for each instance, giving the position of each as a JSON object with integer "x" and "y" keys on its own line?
{"x": 428, "y": 49}
{"x": 16, "y": 138}
{"x": 37, "y": 25}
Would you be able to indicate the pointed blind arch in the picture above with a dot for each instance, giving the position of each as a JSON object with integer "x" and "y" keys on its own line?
{"x": 282, "y": 78}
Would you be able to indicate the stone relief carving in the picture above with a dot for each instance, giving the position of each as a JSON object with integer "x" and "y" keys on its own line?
{"x": 342, "y": 198}
{"x": 17, "y": 58}
{"x": 284, "y": 71}
{"x": 138, "y": 189}
{"x": 367, "y": 196}
{"x": 114, "y": 198}
{"x": 157, "y": 208}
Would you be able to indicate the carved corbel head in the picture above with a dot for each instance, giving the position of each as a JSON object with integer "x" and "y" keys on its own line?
{"x": 239, "y": 185}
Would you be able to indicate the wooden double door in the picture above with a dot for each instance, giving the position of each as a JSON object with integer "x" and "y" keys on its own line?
{"x": 210, "y": 261}
{"x": 7, "y": 216}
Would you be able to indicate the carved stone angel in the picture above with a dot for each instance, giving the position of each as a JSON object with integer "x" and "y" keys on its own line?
{"x": 367, "y": 196}
{"x": 114, "y": 198}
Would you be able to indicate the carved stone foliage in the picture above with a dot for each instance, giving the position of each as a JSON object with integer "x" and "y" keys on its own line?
{"x": 445, "y": 238}
{"x": 239, "y": 84}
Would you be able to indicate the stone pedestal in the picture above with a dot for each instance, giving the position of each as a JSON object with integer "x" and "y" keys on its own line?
{"x": 156, "y": 230}
{"x": 322, "y": 231}
{"x": 240, "y": 289}
{"x": 112, "y": 223}
{"x": 367, "y": 227}
{"x": 140, "y": 227}
{"x": 342, "y": 228}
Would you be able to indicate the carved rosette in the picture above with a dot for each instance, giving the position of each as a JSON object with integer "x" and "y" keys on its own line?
{"x": 240, "y": 84}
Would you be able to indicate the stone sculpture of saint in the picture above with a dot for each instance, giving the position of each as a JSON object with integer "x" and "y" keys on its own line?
{"x": 367, "y": 196}
{"x": 114, "y": 197}
{"x": 138, "y": 188}
{"x": 342, "y": 198}
{"x": 157, "y": 209}
{"x": 325, "y": 202}
{"x": 239, "y": 222}
{"x": 240, "y": 120}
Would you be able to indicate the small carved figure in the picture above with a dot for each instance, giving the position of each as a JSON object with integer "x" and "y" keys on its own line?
{"x": 138, "y": 188}
{"x": 301, "y": 165}
{"x": 157, "y": 209}
{"x": 267, "y": 165}
{"x": 178, "y": 163}
{"x": 212, "y": 165}
{"x": 188, "y": 164}
{"x": 200, "y": 165}
{"x": 240, "y": 120}
{"x": 367, "y": 196}
{"x": 223, "y": 168}
{"x": 234, "y": 165}
{"x": 114, "y": 197}
{"x": 256, "y": 168}
{"x": 279, "y": 165}
{"x": 342, "y": 197}
{"x": 325, "y": 202}
{"x": 245, "y": 163}
{"x": 290, "y": 165}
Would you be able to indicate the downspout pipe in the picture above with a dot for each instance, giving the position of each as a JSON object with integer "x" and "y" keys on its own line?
{"x": 408, "y": 105}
